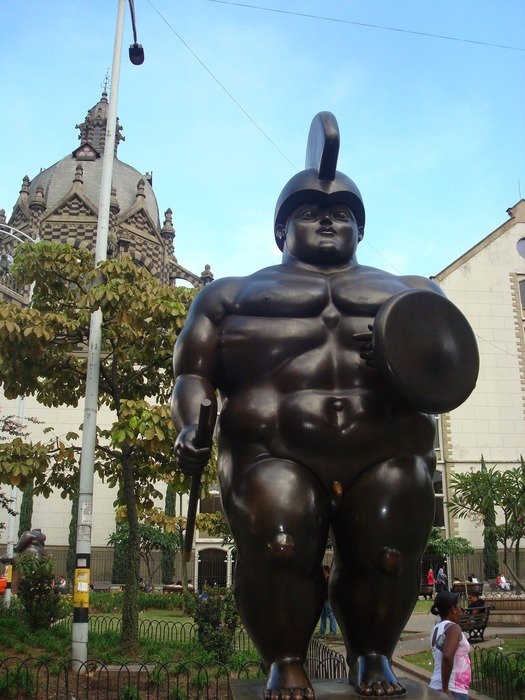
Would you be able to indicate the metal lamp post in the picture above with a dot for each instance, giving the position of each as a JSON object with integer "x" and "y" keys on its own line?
{"x": 85, "y": 500}
{"x": 20, "y": 237}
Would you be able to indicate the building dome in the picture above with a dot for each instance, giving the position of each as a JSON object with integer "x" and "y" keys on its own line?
{"x": 60, "y": 204}
{"x": 56, "y": 182}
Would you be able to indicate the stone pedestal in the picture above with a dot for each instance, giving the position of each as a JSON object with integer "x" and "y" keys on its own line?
{"x": 330, "y": 690}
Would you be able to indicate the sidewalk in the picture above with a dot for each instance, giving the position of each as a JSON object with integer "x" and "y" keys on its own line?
{"x": 415, "y": 639}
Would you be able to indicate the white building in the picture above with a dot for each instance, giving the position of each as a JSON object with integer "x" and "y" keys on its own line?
{"x": 487, "y": 283}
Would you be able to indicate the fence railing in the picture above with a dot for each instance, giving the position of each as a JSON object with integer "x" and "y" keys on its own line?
{"x": 190, "y": 680}
{"x": 498, "y": 675}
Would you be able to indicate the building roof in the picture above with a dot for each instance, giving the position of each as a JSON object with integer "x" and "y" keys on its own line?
{"x": 56, "y": 180}
{"x": 516, "y": 214}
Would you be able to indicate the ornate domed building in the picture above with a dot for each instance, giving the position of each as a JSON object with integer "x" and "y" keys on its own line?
{"x": 60, "y": 204}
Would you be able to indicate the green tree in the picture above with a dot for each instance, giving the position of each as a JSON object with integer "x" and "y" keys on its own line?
{"x": 478, "y": 494}
{"x": 42, "y": 352}
{"x": 168, "y": 561}
{"x": 10, "y": 428}
{"x": 153, "y": 538}
{"x": 26, "y": 509}
{"x": 446, "y": 546}
{"x": 490, "y": 535}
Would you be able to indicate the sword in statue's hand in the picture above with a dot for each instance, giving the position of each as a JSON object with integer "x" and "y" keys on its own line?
{"x": 202, "y": 439}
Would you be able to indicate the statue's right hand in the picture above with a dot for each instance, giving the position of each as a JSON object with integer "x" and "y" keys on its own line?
{"x": 192, "y": 459}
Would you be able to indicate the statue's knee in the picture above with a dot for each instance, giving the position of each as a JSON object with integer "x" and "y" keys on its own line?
{"x": 391, "y": 561}
{"x": 282, "y": 548}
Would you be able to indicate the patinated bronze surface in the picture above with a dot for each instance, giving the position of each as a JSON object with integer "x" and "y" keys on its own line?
{"x": 317, "y": 431}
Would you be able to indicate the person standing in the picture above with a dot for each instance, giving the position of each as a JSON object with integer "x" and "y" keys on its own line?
{"x": 327, "y": 613}
{"x": 430, "y": 577}
{"x": 441, "y": 580}
{"x": 450, "y": 648}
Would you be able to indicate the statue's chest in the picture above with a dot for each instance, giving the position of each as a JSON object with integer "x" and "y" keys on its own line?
{"x": 311, "y": 297}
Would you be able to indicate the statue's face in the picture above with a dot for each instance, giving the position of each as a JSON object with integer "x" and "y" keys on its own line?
{"x": 322, "y": 235}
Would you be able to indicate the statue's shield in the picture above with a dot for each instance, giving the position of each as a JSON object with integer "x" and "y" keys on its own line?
{"x": 426, "y": 350}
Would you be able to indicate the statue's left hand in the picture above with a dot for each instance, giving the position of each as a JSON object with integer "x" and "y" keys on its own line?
{"x": 367, "y": 347}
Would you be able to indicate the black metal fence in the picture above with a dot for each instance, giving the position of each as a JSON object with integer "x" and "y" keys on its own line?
{"x": 158, "y": 630}
{"x": 21, "y": 679}
{"x": 498, "y": 675}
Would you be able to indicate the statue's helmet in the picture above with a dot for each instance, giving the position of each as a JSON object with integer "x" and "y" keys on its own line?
{"x": 320, "y": 182}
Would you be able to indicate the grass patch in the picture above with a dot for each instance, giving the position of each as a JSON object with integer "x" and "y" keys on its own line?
{"x": 422, "y": 606}
{"x": 17, "y": 639}
{"x": 516, "y": 644}
{"x": 424, "y": 659}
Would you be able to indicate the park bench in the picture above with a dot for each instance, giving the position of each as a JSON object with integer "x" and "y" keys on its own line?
{"x": 473, "y": 621}
{"x": 426, "y": 590}
{"x": 494, "y": 588}
{"x": 101, "y": 586}
{"x": 467, "y": 587}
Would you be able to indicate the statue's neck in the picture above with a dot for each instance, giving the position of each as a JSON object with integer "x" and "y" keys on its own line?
{"x": 289, "y": 259}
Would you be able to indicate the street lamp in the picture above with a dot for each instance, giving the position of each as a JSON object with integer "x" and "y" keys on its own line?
{"x": 87, "y": 459}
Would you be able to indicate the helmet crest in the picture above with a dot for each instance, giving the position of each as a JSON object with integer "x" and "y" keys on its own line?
{"x": 320, "y": 182}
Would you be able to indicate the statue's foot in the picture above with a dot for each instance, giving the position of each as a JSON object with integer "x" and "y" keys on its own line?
{"x": 374, "y": 677}
{"x": 288, "y": 680}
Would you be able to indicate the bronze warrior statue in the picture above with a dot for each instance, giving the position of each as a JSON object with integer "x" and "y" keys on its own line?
{"x": 330, "y": 374}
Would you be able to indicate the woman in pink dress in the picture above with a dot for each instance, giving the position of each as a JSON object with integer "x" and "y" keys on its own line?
{"x": 450, "y": 648}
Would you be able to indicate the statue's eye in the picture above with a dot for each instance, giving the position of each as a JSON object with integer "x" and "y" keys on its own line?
{"x": 342, "y": 214}
{"x": 308, "y": 214}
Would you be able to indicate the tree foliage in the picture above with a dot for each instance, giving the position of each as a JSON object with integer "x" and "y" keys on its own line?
{"x": 217, "y": 619}
{"x": 446, "y": 547}
{"x": 168, "y": 562}
{"x": 479, "y": 494}
{"x": 153, "y": 538}
{"x": 36, "y": 589}
{"x": 11, "y": 428}
{"x": 43, "y": 351}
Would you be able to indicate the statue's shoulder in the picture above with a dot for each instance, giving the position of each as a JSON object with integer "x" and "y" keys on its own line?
{"x": 418, "y": 282}
{"x": 387, "y": 280}
{"x": 214, "y": 298}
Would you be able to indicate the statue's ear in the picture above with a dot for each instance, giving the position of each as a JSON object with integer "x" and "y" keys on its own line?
{"x": 280, "y": 232}
{"x": 360, "y": 233}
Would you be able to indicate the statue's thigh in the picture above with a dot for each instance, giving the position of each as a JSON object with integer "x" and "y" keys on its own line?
{"x": 390, "y": 506}
{"x": 277, "y": 508}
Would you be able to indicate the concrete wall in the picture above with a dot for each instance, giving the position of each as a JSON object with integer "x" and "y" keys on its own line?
{"x": 484, "y": 284}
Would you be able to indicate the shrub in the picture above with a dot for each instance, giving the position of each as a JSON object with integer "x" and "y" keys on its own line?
{"x": 36, "y": 590}
{"x": 16, "y": 683}
{"x": 112, "y": 602}
{"x": 217, "y": 619}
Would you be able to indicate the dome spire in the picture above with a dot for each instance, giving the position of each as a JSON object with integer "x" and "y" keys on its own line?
{"x": 93, "y": 128}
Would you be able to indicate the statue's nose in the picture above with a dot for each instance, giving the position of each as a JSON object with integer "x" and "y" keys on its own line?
{"x": 326, "y": 219}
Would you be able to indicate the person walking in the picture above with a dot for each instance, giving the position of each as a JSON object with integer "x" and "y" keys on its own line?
{"x": 441, "y": 580}
{"x": 450, "y": 648}
{"x": 327, "y": 613}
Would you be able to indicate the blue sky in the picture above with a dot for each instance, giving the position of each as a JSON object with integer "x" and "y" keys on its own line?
{"x": 432, "y": 130}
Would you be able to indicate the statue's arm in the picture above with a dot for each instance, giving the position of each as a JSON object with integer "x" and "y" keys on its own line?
{"x": 365, "y": 338}
{"x": 417, "y": 282}
{"x": 194, "y": 365}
